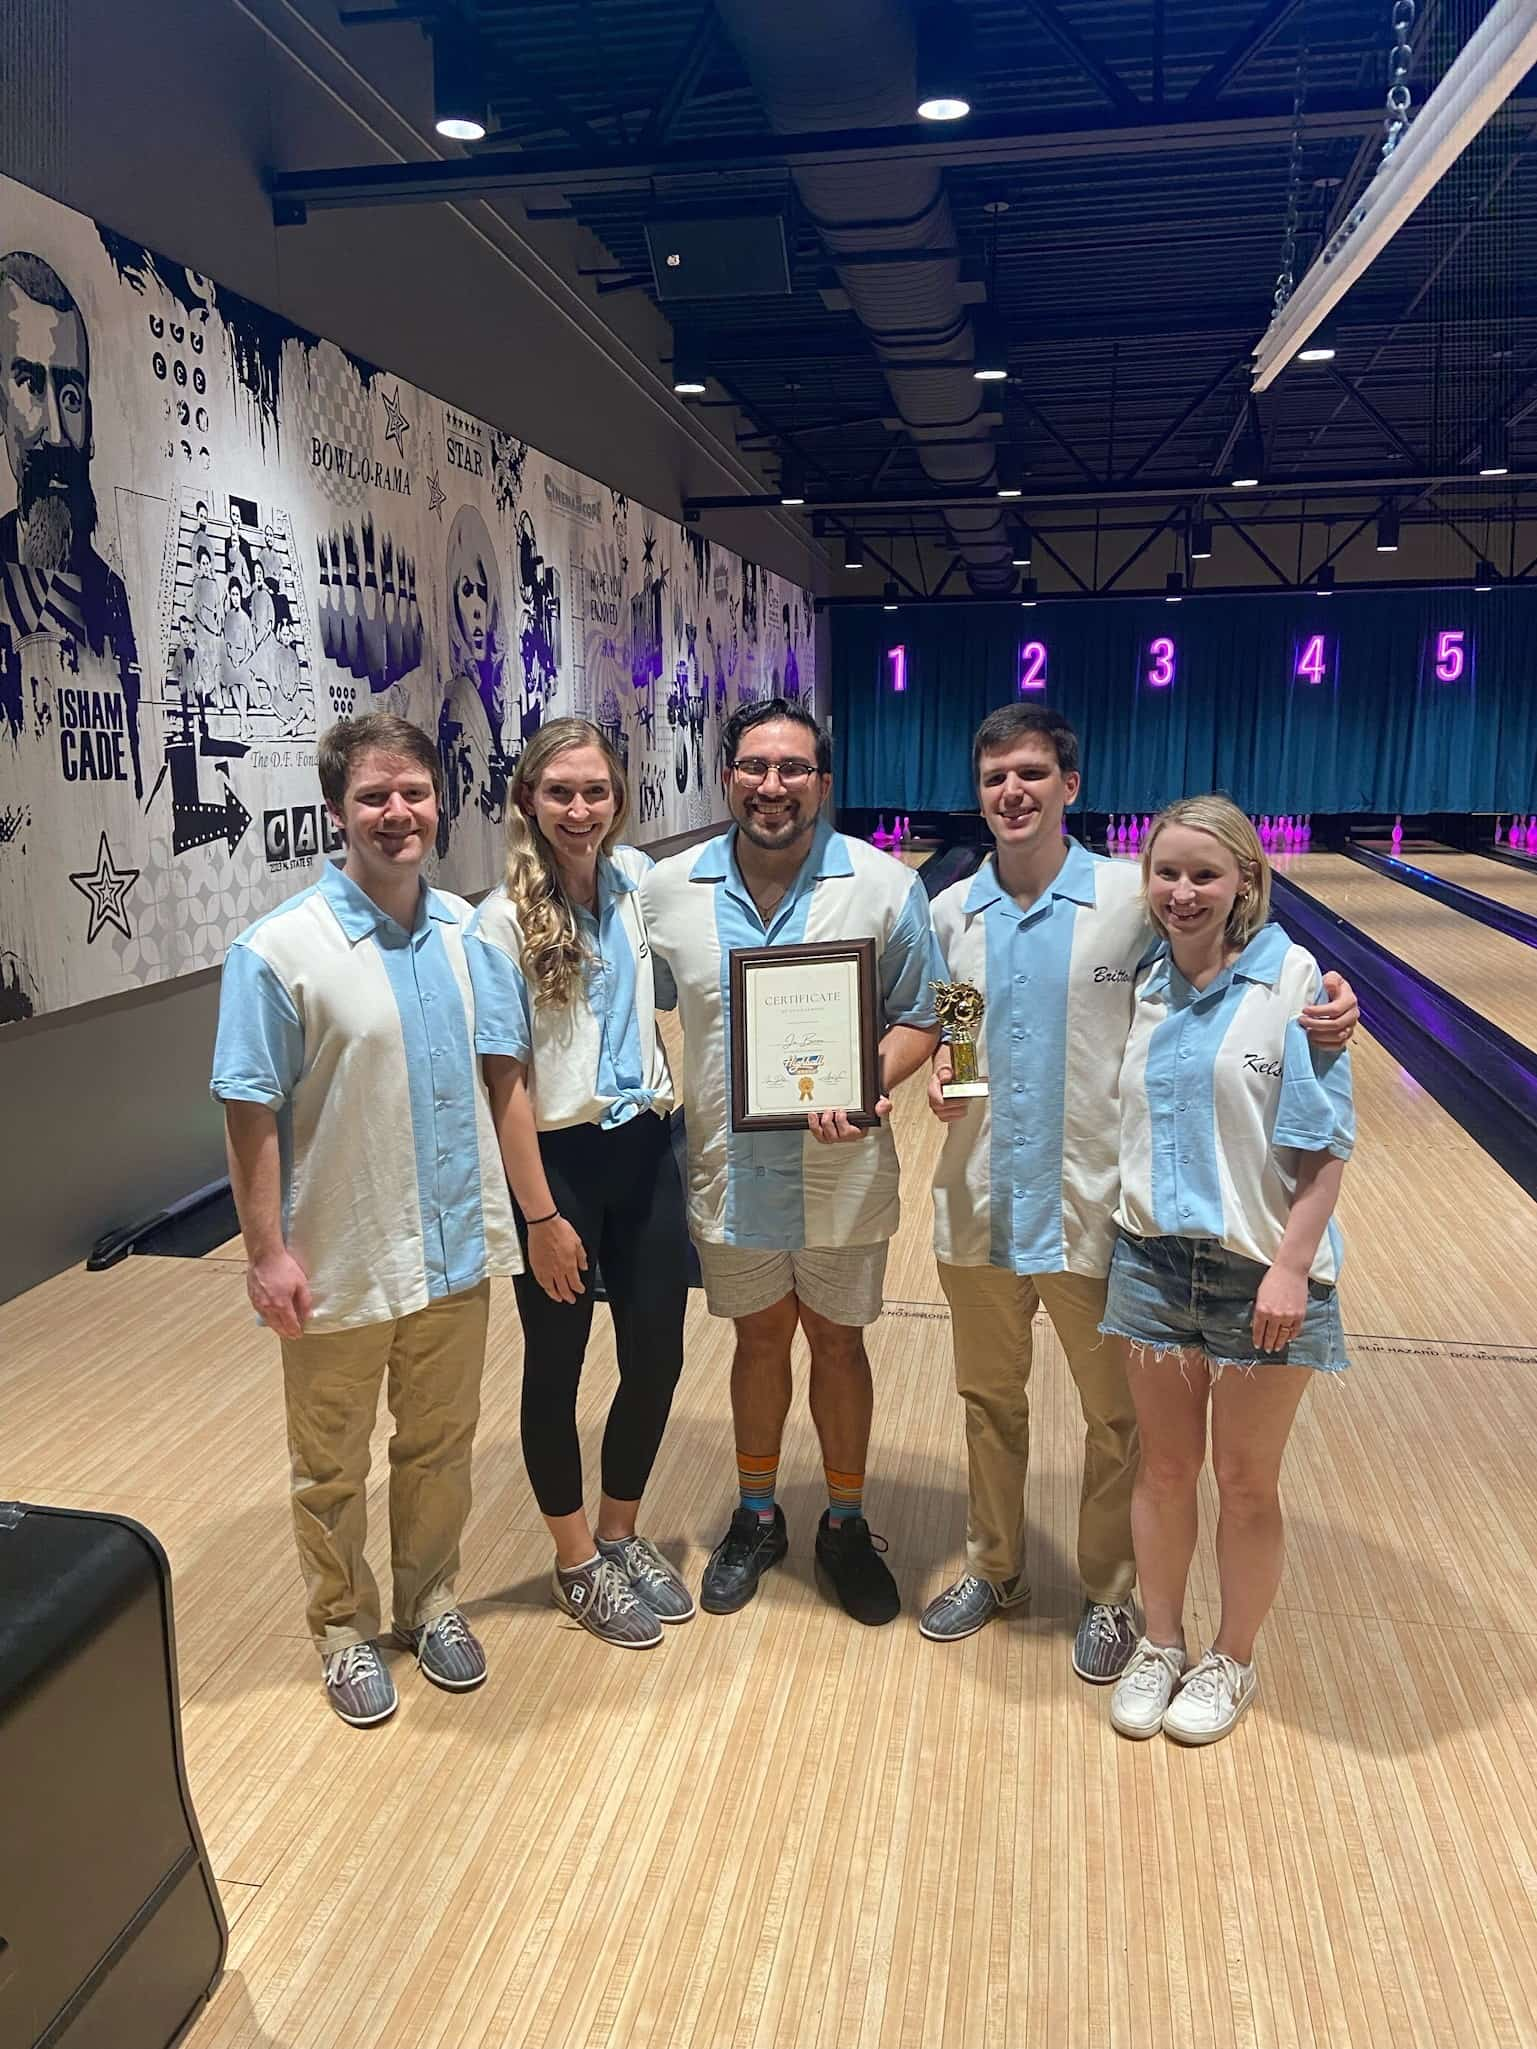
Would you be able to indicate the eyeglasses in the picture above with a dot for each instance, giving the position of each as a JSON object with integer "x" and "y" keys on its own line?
{"x": 752, "y": 769}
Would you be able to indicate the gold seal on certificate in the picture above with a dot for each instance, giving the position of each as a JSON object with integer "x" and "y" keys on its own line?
{"x": 803, "y": 1034}
{"x": 959, "y": 1005}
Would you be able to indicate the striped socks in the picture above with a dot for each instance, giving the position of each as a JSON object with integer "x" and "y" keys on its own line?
{"x": 845, "y": 1496}
{"x": 757, "y": 1477}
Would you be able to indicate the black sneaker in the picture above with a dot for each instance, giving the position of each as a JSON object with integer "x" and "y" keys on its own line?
{"x": 847, "y": 1553}
{"x": 740, "y": 1560}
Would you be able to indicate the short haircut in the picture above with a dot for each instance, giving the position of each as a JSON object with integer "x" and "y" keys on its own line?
{"x": 1221, "y": 817}
{"x": 1011, "y": 722}
{"x": 746, "y": 716}
{"x": 39, "y": 282}
{"x": 343, "y": 746}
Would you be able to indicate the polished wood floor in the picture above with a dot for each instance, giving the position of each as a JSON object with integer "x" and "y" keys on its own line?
{"x": 1516, "y": 887}
{"x": 1494, "y": 974}
{"x": 782, "y": 1829}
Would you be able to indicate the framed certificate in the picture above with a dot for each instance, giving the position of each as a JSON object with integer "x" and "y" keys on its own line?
{"x": 803, "y": 1034}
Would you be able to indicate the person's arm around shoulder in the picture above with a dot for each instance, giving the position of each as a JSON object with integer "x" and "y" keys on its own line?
{"x": 258, "y": 1058}
{"x": 1316, "y": 1119}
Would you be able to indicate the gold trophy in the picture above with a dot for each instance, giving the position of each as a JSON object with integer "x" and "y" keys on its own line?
{"x": 959, "y": 1005}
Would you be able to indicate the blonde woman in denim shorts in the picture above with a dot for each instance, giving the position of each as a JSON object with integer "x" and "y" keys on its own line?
{"x": 1234, "y": 1136}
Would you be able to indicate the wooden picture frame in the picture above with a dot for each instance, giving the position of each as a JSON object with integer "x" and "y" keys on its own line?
{"x": 804, "y": 1034}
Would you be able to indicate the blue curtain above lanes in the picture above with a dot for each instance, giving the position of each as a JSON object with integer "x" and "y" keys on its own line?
{"x": 1407, "y": 701}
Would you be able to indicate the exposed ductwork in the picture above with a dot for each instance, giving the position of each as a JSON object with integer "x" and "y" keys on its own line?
{"x": 825, "y": 64}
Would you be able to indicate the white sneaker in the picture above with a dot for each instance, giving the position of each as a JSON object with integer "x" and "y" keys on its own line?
{"x": 1146, "y": 1687}
{"x": 1214, "y": 1694}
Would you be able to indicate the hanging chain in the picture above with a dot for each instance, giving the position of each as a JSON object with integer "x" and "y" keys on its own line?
{"x": 1399, "y": 62}
{"x": 1287, "y": 277}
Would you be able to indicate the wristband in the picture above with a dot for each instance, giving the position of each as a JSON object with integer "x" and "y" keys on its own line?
{"x": 531, "y": 1221}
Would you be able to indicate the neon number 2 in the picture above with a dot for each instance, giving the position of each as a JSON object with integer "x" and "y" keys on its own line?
{"x": 1161, "y": 674}
{"x": 897, "y": 656}
{"x": 1313, "y": 661}
{"x": 1451, "y": 657}
{"x": 1032, "y": 665}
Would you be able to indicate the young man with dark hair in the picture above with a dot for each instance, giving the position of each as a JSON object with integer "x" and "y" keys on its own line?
{"x": 369, "y": 1187}
{"x": 1025, "y": 1189}
{"x": 791, "y": 1226}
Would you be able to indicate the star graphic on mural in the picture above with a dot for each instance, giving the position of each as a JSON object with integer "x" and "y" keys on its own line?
{"x": 649, "y": 546}
{"x": 105, "y": 887}
{"x": 437, "y": 498}
{"x": 396, "y": 425}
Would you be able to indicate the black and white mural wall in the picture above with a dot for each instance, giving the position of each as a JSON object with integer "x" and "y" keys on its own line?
{"x": 219, "y": 534}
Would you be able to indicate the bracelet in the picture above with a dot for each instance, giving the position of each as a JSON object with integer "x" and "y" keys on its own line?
{"x": 530, "y": 1222}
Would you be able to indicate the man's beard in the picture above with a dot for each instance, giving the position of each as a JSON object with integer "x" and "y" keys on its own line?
{"x": 56, "y": 509}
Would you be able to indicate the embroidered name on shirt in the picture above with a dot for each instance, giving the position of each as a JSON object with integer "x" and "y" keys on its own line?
{"x": 1256, "y": 1065}
{"x": 1112, "y": 974}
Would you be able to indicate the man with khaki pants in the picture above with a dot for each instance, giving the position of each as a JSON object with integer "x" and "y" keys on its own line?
{"x": 373, "y": 1206}
{"x": 1052, "y": 937}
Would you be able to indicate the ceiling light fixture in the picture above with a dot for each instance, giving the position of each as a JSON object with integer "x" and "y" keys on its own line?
{"x": 944, "y": 62}
{"x": 458, "y": 82}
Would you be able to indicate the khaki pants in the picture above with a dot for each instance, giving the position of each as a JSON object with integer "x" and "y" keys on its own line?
{"x": 434, "y": 1360}
{"x": 990, "y": 1313}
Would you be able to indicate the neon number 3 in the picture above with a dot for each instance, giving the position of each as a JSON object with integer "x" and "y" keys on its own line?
{"x": 1451, "y": 657}
{"x": 1032, "y": 665}
{"x": 1161, "y": 674}
{"x": 1312, "y": 662}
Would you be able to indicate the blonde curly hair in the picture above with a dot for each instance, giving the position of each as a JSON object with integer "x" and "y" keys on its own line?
{"x": 1221, "y": 817}
{"x": 555, "y": 956}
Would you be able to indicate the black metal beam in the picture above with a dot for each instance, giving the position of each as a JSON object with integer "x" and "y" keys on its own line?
{"x": 692, "y": 66}
{"x": 1202, "y": 596}
{"x": 1177, "y": 427}
{"x": 1261, "y": 123}
{"x": 1384, "y": 426}
{"x": 1109, "y": 493}
{"x": 1089, "y": 62}
{"x": 1248, "y": 44}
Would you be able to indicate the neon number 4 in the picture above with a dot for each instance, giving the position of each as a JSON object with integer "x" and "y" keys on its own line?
{"x": 1161, "y": 674}
{"x": 1032, "y": 665}
{"x": 897, "y": 656}
{"x": 1451, "y": 657}
{"x": 1313, "y": 662}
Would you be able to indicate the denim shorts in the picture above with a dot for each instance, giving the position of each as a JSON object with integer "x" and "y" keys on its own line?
{"x": 1173, "y": 1292}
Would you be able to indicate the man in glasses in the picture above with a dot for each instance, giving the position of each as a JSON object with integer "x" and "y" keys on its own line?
{"x": 792, "y": 1226}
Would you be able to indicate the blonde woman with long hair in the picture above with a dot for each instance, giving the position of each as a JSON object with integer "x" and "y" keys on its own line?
{"x": 1235, "y": 1130}
{"x": 565, "y": 999}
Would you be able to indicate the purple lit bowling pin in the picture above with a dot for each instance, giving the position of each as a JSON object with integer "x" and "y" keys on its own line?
{"x": 1264, "y": 830}
{"x": 1398, "y": 830}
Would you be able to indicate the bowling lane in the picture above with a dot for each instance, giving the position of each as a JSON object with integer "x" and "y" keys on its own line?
{"x": 1503, "y": 885}
{"x": 1493, "y": 975}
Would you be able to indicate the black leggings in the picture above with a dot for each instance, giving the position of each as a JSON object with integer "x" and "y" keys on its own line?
{"x": 620, "y": 1192}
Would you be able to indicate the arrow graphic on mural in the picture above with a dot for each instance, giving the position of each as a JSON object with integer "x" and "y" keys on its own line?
{"x": 196, "y": 824}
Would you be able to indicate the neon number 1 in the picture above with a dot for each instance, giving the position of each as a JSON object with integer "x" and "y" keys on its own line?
{"x": 1161, "y": 674}
{"x": 1032, "y": 665}
{"x": 1451, "y": 657}
{"x": 897, "y": 656}
{"x": 1312, "y": 662}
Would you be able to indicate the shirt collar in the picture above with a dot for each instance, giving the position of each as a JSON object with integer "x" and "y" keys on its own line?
{"x": 1074, "y": 880}
{"x": 827, "y": 855}
{"x": 1261, "y": 961}
{"x": 357, "y": 913}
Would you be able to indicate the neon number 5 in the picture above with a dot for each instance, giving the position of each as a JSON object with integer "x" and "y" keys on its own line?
{"x": 1312, "y": 662}
{"x": 897, "y": 656}
{"x": 1032, "y": 665}
{"x": 1451, "y": 657}
{"x": 1161, "y": 674}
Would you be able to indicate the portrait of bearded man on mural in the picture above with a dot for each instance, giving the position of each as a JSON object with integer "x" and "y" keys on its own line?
{"x": 53, "y": 583}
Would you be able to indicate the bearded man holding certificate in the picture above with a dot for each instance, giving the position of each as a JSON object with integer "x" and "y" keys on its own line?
{"x": 803, "y": 963}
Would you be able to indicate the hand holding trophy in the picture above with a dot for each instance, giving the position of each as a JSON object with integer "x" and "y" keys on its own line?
{"x": 959, "y": 1006}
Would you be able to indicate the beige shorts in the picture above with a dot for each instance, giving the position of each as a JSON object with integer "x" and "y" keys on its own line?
{"x": 844, "y": 1283}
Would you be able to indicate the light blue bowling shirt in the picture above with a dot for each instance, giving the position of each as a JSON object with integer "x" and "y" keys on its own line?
{"x": 1026, "y": 1180}
{"x": 784, "y": 1190}
{"x": 595, "y": 1060}
{"x": 360, "y": 1035}
{"x": 1221, "y": 1089}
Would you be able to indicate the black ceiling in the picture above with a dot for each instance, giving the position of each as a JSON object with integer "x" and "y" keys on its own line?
{"x": 1136, "y": 261}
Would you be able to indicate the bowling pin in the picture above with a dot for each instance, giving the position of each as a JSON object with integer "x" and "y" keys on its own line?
{"x": 1499, "y": 827}
{"x": 1264, "y": 830}
{"x": 1531, "y": 835}
{"x": 1398, "y": 830}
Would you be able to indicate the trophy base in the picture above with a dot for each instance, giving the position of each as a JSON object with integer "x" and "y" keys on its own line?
{"x": 954, "y": 1091}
